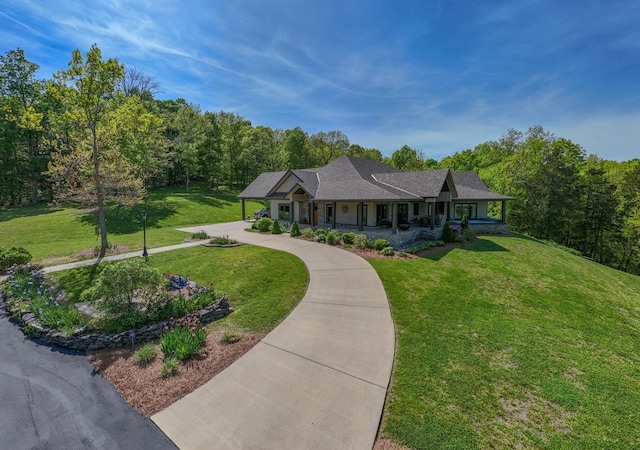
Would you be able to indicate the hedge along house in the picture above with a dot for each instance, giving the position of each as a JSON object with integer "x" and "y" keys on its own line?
{"x": 351, "y": 192}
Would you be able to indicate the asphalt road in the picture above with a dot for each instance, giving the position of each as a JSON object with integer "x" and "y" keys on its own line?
{"x": 51, "y": 399}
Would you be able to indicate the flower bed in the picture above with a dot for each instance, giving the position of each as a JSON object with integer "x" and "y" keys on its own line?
{"x": 125, "y": 310}
{"x": 83, "y": 340}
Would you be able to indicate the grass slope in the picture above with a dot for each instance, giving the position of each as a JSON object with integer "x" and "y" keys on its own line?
{"x": 510, "y": 343}
{"x": 261, "y": 300}
{"x": 53, "y": 235}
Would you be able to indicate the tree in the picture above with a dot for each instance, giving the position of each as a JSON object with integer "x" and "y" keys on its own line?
{"x": 407, "y": 159}
{"x": 295, "y": 149}
{"x": 136, "y": 83}
{"x": 22, "y": 125}
{"x": 92, "y": 85}
{"x": 327, "y": 146}
{"x": 367, "y": 153}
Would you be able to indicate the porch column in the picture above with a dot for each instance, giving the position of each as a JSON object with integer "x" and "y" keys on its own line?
{"x": 394, "y": 216}
{"x": 360, "y": 216}
{"x": 432, "y": 216}
{"x": 504, "y": 211}
{"x": 243, "y": 211}
{"x": 335, "y": 213}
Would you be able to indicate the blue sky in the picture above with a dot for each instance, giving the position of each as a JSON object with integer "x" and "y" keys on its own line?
{"x": 439, "y": 76}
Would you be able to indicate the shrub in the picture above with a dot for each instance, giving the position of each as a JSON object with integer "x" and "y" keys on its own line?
{"x": 370, "y": 244}
{"x": 222, "y": 240}
{"x": 146, "y": 354}
{"x": 468, "y": 234}
{"x": 360, "y": 241}
{"x": 121, "y": 283}
{"x": 263, "y": 224}
{"x": 307, "y": 233}
{"x": 464, "y": 223}
{"x": 170, "y": 367}
{"x": 387, "y": 251}
{"x": 275, "y": 227}
{"x": 13, "y": 256}
{"x": 349, "y": 238}
{"x": 379, "y": 244}
{"x": 185, "y": 339}
{"x": 447, "y": 234}
{"x": 424, "y": 246}
{"x": 333, "y": 237}
{"x": 402, "y": 254}
{"x": 320, "y": 234}
{"x": 229, "y": 338}
{"x": 200, "y": 235}
{"x": 295, "y": 229}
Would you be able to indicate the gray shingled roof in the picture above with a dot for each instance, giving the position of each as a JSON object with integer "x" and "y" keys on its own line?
{"x": 471, "y": 187}
{"x": 355, "y": 179}
{"x": 425, "y": 184}
{"x": 262, "y": 185}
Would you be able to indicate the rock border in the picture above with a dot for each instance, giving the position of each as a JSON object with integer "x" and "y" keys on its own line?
{"x": 96, "y": 341}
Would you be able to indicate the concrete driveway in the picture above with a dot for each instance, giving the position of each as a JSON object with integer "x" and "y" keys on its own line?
{"x": 50, "y": 399}
{"x": 317, "y": 381}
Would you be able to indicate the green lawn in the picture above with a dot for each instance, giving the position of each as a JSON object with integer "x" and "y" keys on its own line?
{"x": 263, "y": 285}
{"x": 510, "y": 343}
{"x": 53, "y": 235}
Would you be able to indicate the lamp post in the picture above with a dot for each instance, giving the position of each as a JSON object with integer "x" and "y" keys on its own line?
{"x": 144, "y": 233}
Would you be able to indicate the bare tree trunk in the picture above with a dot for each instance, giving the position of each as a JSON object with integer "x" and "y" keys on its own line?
{"x": 102, "y": 223}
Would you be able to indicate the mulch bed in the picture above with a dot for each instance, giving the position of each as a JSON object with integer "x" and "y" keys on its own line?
{"x": 141, "y": 386}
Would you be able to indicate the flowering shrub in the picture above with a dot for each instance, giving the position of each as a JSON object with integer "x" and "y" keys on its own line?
{"x": 320, "y": 235}
{"x": 183, "y": 338}
{"x": 27, "y": 288}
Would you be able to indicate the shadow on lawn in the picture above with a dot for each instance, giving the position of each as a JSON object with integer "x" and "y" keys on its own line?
{"x": 128, "y": 219}
{"x": 26, "y": 211}
{"x": 481, "y": 245}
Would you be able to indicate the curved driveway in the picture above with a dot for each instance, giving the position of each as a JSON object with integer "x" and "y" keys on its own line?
{"x": 317, "y": 381}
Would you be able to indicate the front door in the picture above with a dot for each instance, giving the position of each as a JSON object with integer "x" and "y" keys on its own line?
{"x": 381, "y": 214}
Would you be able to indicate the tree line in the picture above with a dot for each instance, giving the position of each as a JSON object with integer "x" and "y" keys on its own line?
{"x": 95, "y": 132}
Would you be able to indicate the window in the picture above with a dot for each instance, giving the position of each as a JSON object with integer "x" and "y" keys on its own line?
{"x": 468, "y": 209}
{"x": 381, "y": 214}
{"x": 329, "y": 215}
{"x": 403, "y": 213}
{"x": 364, "y": 214}
{"x": 284, "y": 212}
{"x": 416, "y": 209}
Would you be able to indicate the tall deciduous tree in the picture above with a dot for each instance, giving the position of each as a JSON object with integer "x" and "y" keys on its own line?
{"x": 92, "y": 84}
{"x": 23, "y": 153}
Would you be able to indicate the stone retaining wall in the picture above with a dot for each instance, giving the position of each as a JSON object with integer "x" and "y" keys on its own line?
{"x": 95, "y": 341}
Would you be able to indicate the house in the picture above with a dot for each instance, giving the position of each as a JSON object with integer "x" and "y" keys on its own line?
{"x": 359, "y": 193}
